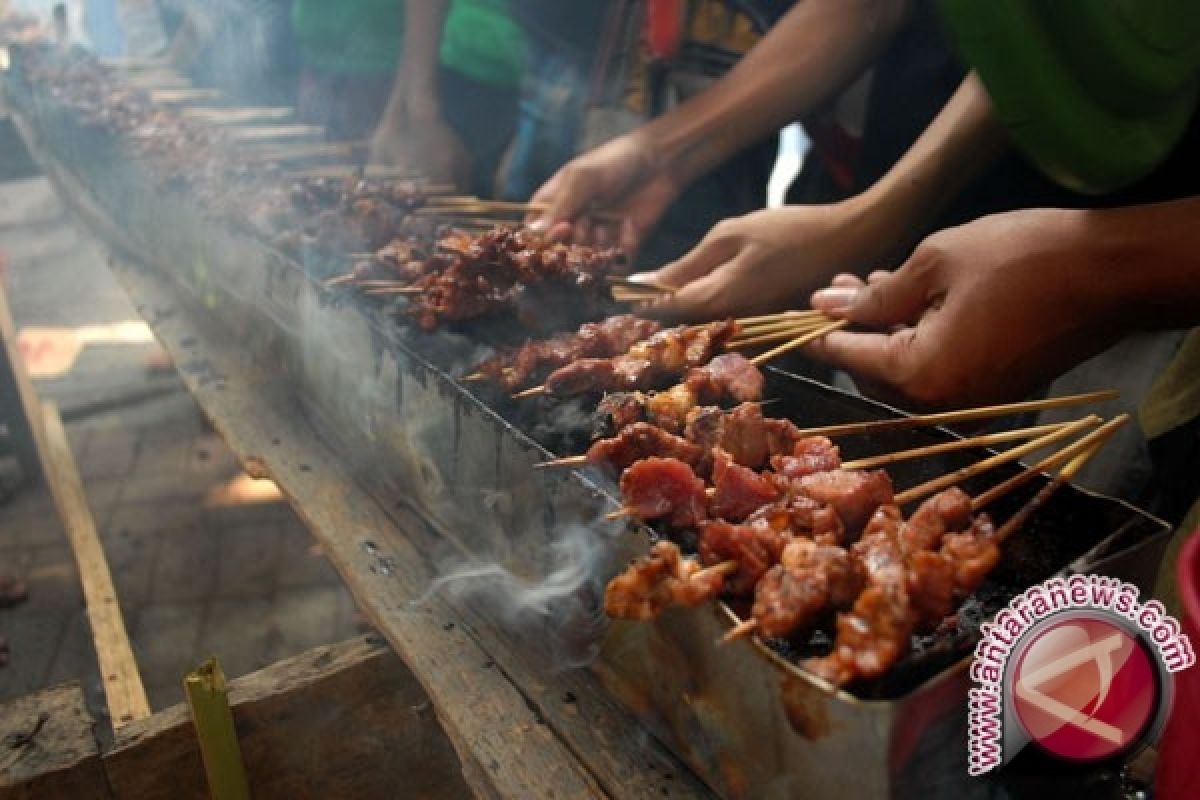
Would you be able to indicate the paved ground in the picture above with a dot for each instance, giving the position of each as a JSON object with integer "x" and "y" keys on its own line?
{"x": 197, "y": 575}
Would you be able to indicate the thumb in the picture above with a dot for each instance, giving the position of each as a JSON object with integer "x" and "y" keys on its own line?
{"x": 564, "y": 196}
{"x": 894, "y": 299}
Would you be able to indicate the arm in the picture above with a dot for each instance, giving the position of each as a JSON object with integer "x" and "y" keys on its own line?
{"x": 814, "y": 52}
{"x": 770, "y": 259}
{"x": 989, "y": 310}
{"x": 411, "y": 131}
{"x": 810, "y": 55}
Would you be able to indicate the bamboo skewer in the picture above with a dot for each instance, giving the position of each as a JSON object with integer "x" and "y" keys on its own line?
{"x": 799, "y": 342}
{"x": 567, "y": 461}
{"x": 740, "y": 631}
{"x": 963, "y": 415}
{"x": 980, "y": 467}
{"x": 985, "y": 440}
{"x": 745, "y": 332}
{"x": 1081, "y": 449}
{"x": 397, "y": 290}
{"x": 533, "y": 391}
{"x": 775, "y": 336}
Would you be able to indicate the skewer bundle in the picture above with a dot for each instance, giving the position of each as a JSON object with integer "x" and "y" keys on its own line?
{"x": 798, "y": 575}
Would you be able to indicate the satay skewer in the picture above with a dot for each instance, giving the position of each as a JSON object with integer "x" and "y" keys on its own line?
{"x": 798, "y": 342}
{"x": 983, "y": 440}
{"x": 980, "y": 467}
{"x": 783, "y": 334}
{"x": 963, "y": 415}
{"x": 1076, "y": 455}
{"x": 397, "y": 290}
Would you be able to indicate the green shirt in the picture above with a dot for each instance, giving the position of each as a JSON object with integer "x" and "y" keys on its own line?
{"x": 480, "y": 39}
{"x": 349, "y": 37}
{"x": 483, "y": 42}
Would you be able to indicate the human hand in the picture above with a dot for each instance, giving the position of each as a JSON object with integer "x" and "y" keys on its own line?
{"x": 423, "y": 143}
{"x": 763, "y": 261}
{"x": 981, "y": 313}
{"x": 622, "y": 177}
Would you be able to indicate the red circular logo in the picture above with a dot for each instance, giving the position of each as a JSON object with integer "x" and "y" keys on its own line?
{"x": 1084, "y": 688}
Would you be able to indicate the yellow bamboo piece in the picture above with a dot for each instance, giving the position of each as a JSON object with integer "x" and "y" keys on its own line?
{"x": 213, "y": 720}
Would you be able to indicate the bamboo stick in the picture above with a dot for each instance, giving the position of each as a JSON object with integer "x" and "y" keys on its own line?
{"x": 1086, "y": 446}
{"x": 965, "y": 415}
{"x": 978, "y": 468}
{"x": 774, "y": 336}
{"x": 799, "y": 342}
{"x": 985, "y": 440}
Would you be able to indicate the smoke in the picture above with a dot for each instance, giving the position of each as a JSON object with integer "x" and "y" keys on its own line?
{"x": 560, "y": 612}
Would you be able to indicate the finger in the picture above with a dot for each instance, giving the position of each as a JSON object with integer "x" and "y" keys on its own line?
{"x": 701, "y": 260}
{"x": 878, "y": 358}
{"x": 847, "y": 281}
{"x": 892, "y": 299}
{"x": 539, "y": 220}
{"x": 581, "y": 230}
{"x": 878, "y": 275}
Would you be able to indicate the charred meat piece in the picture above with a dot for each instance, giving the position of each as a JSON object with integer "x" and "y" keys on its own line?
{"x": 664, "y": 488}
{"x": 650, "y": 364}
{"x": 728, "y": 377}
{"x": 948, "y": 510}
{"x": 642, "y": 440}
{"x": 720, "y": 541}
{"x": 509, "y": 270}
{"x": 854, "y": 494}
{"x": 659, "y": 581}
{"x": 739, "y": 491}
{"x": 809, "y": 582}
{"x": 531, "y": 362}
{"x": 740, "y": 432}
{"x": 809, "y": 455}
{"x": 800, "y": 515}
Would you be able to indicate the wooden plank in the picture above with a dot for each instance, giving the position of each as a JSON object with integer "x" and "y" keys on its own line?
{"x": 47, "y": 748}
{"x": 519, "y": 731}
{"x": 118, "y": 669}
{"x": 346, "y": 720}
{"x": 19, "y": 409}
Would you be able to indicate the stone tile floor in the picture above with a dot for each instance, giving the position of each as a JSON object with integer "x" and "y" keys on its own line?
{"x": 196, "y": 576}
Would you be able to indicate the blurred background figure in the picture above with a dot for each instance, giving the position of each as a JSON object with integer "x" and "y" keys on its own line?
{"x": 452, "y": 107}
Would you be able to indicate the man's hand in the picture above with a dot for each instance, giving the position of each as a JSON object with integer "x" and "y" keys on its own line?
{"x": 764, "y": 261}
{"x": 427, "y": 145}
{"x": 983, "y": 312}
{"x": 622, "y": 177}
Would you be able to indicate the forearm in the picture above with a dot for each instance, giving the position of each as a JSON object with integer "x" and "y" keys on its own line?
{"x": 815, "y": 51}
{"x": 963, "y": 140}
{"x": 414, "y": 90}
{"x": 1143, "y": 261}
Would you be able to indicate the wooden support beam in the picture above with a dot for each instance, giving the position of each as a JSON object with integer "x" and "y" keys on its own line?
{"x": 47, "y": 748}
{"x": 346, "y": 720}
{"x": 122, "y": 683}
